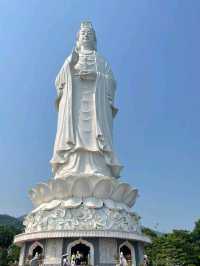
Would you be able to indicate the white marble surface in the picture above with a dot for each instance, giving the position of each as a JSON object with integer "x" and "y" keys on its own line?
{"x": 82, "y": 218}
{"x": 84, "y": 186}
{"x": 22, "y": 254}
{"x": 86, "y": 88}
{"x": 53, "y": 252}
{"x": 20, "y": 239}
{"x": 141, "y": 253}
{"x": 85, "y": 198}
{"x": 108, "y": 250}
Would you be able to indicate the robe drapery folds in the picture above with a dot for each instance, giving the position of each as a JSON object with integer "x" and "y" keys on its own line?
{"x": 104, "y": 111}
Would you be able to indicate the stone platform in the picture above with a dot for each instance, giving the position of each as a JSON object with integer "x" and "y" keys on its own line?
{"x": 90, "y": 213}
{"x": 104, "y": 247}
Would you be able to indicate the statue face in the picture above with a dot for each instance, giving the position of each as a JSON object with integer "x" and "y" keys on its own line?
{"x": 87, "y": 38}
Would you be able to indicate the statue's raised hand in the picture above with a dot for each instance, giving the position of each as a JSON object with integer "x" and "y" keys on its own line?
{"x": 87, "y": 75}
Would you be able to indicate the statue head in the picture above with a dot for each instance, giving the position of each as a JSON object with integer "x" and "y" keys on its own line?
{"x": 86, "y": 37}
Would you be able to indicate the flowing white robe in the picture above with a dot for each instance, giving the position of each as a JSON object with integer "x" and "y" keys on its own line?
{"x": 75, "y": 151}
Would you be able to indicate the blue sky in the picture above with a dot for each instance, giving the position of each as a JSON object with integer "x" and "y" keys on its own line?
{"x": 153, "y": 48}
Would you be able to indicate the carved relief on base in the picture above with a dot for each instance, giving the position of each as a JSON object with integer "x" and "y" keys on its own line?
{"x": 82, "y": 218}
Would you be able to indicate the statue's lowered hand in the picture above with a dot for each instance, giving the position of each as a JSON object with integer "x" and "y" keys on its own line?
{"x": 57, "y": 102}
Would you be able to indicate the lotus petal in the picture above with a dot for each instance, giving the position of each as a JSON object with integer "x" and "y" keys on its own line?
{"x": 110, "y": 204}
{"x": 39, "y": 208}
{"x": 44, "y": 192}
{"x": 52, "y": 205}
{"x": 34, "y": 195}
{"x": 60, "y": 189}
{"x": 120, "y": 191}
{"x": 130, "y": 197}
{"x": 93, "y": 203}
{"x": 72, "y": 203}
{"x": 126, "y": 208}
{"x": 81, "y": 188}
{"x": 103, "y": 189}
{"x": 120, "y": 206}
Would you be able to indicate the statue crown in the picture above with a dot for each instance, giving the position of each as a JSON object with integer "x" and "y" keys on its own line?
{"x": 87, "y": 24}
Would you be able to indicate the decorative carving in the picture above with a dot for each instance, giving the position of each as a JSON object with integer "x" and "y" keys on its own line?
{"x": 76, "y": 202}
{"x": 82, "y": 218}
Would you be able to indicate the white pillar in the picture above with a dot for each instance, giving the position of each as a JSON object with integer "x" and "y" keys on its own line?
{"x": 140, "y": 253}
{"x": 22, "y": 255}
{"x": 107, "y": 251}
{"x": 53, "y": 252}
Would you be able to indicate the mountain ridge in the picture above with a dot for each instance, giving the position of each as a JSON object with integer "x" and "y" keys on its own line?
{"x": 9, "y": 220}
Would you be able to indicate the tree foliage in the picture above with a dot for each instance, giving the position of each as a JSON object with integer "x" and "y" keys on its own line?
{"x": 8, "y": 251}
{"x": 178, "y": 248}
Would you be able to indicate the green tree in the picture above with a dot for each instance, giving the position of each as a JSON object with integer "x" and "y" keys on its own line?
{"x": 8, "y": 251}
{"x": 3, "y": 257}
{"x": 6, "y": 235}
{"x": 196, "y": 242}
{"x": 13, "y": 254}
{"x": 177, "y": 248}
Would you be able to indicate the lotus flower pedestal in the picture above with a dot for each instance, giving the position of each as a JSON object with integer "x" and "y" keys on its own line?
{"x": 92, "y": 211}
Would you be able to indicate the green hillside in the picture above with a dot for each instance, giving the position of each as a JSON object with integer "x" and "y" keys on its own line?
{"x": 11, "y": 221}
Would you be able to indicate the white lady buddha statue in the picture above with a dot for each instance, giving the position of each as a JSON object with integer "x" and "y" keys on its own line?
{"x": 85, "y": 88}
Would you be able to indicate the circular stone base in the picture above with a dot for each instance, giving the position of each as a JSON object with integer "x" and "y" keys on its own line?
{"x": 57, "y": 227}
{"x": 20, "y": 239}
{"x": 103, "y": 247}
